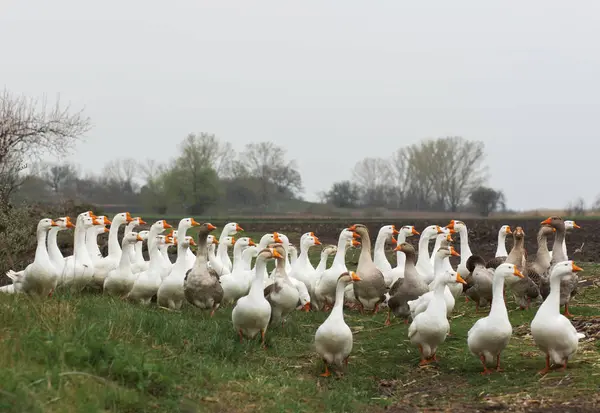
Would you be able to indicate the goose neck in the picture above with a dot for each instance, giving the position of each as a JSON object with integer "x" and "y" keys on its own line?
{"x": 338, "y": 306}
{"x": 40, "y": 250}
{"x": 114, "y": 249}
{"x": 501, "y": 248}
{"x": 498, "y": 308}
{"x": 125, "y": 261}
{"x": 257, "y": 287}
{"x": 340, "y": 255}
{"x": 465, "y": 251}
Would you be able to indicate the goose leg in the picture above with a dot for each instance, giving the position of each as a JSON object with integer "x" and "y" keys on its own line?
{"x": 327, "y": 373}
{"x": 498, "y": 369}
{"x": 387, "y": 320}
{"x": 241, "y": 335}
{"x": 547, "y": 368}
{"x": 564, "y": 366}
{"x": 262, "y": 335}
{"x": 567, "y": 313}
{"x": 485, "y": 371}
{"x": 376, "y": 309}
{"x": 346, "y": 361}
{"x": 212, "y": 313}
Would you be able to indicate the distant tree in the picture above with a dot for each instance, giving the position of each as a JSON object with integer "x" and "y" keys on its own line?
{"x": 30, "y": 128}
{"x": 122, "y": 173}
{"x": 344, "y": 194}
{"x": 58, "y": 176}
{"x": 373, "y": 176}
{"x": 265, "y": 162}
{"x": 576, "y": 207}
{"x": 210, "y": 151}
{"x": 487, "y": 200}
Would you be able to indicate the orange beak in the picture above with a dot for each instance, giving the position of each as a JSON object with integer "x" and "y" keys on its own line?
{"x": 276, "y": 254}
{"x": 96, "y": 222}
{"x": 276, "y": 238}
{"x": 53, "y": 223}
{"x": 508, "y": 230}
{"x": 355, "y": 235}
{"x": 452, "y": 231}
{"x": 453, "y": 252}
{"x": 215, "y": 241}
{"x": 518, "y": 273}
{"x": 352, "y": 228}
{"x": 415, "y": 232}
{"x": 394, "y": 241}
{"x": 306, "y": 307}
{"x": 70, "y": 223}
{"x": 211, "y": 227}
{"x": 317, "y": 242}
{"x": 107, "y": 221}
{"x": 575, "y": 268}
{"x": 449, "y": 238}
{"x": 238, "y": 228}
{"x": 312, "y": 234}
{"x": 195, "y": 223}
{"x": 450, "y": 225}
{"x": 459, "y": 279}
{"x": 232, "y": 241}
{"x": 250, "y": 243}
{"x": 139, "y": 238}
{"x": 141, "y": 221}
{"x": 106, "y": 230}
{"x": 355, "y": 243}
{"x": 439, "y": 229}
{"x": 128, "y": 217}
{"x": 575, "y": 225}
{"x": 166, "y": 225}
{"x": 192, "y": 242}
{"x": 547, "y": 221}
{"x": 354, "y": 276}
{"x": 398, "y": 248}
{"x": 395, "y": 231}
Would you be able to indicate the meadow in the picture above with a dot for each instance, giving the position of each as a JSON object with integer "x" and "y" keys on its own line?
{"x": 91, "y": 353}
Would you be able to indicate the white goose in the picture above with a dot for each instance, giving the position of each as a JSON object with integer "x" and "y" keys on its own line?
{"x": 302, "y": 269}
{"x": 333, "y": 339}
{"x": 136, "y": 222}
{"x": 229, "y": 230}
{"x": 385, "y": 235}
{"x": 552, "y": 332}
{"x": 79, "y": 269}
{"x": 398, "y": 271}
{"x": 111, "y": 261}
{"x": 170, "y": 292}
{"x": 91, "y": 238}
{"x": 501, "y": 248}
{"x": 237, "y": 283}
{"x": 490, "y": 335}
{"x": 424, "y": 266}
{"x": 40, "y": 277}
{"x": 465, "y": 250}
{"x": 252, "y": 312}
{"x": 120, "y": 280}
{"x": 429, "y": 329}
{"x": 569, "y": 225}
{"x": 325, "y": 288}
{"x": 139, "y": 264}
{"x": 58, "y": 260}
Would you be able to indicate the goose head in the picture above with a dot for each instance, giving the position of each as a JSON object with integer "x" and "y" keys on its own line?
{"x": 444, "y": 252}
{"x": 211, "y": 239}
{"x": 564, "y": 268}
{"x": 456, "y": 225}
{"x": 186, "y": 242}
{"x": 409, "y": 231}
{"x": 555, "y": 222}
{"x": 122, "y": 218}
{"x": 244, "y": 242}
{"x": 232, "y": 228}
{"x": 328, "y": 250}
{"x": 359, "y": 229}
{"x": 408, "y": 250}
{"x": 160, "y": 225}
{"x": 518, "y": 234}
{"x": 63, "y": 223}
{"x": 431, "y": 231}
{"x": 131, "y": 238}
{"x": 451, "y": 278}
{"x": 187, "y": 223}
{"x": 546, "y": 230}
{"x": 389, "y": 231}
{"x": 569, "y": 225}
{"x": 348, "y": 277}
{"x": 227, "y": 241}
{"x": 505, "y": 230}
{"x": 310, "y": 241}
{"x": 507, "y": 270}
{"x": 348, "y": 235}
{"x": 88, "y": 222}
{"x": 268, "y": 253}
{"x": 46, "y": 223}
{"x": 306, "y": 234}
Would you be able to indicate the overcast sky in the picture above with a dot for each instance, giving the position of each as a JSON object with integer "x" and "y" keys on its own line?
{"x": 331, "y": 81}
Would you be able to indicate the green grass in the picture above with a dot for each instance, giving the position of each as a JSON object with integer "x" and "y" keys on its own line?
{"x": 97, "y": 354}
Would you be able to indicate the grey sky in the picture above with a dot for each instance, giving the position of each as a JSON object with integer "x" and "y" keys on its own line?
{"x": 332, "y": 81}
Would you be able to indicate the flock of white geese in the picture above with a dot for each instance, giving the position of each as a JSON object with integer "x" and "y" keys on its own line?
{"x": 422, "y": 287}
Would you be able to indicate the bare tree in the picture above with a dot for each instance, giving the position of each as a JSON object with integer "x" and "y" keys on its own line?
{"x": 265, "y": 162}
{"x": 374, "y": 177}
{"x": 58, "y": 175}
{"x": 30, "y": 128}
{"x": 122, "y": 172}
